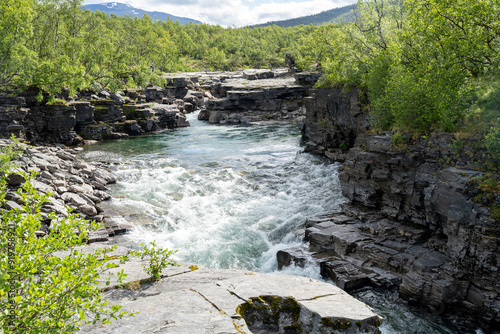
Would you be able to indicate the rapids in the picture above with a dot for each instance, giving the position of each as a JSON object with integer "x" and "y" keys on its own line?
{"x": 230, "y": 197}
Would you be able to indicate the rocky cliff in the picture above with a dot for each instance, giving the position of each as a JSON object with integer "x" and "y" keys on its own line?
{"x": 252, "y": 96}
{"x": 98, "y": 115}
{"x": 195, "y": 299}
{"x": 418, "y": 218}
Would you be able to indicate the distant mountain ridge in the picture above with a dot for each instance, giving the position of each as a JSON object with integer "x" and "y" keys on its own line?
{"x": 121, "y": 9}
{"x": 335, "y": 15}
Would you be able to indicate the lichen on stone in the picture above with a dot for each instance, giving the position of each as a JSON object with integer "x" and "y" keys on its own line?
{"x": 272, "y": 313}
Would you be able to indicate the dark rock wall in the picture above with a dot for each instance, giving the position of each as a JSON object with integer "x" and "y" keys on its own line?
{"x": 334, "y": 118}
{"x": 97, "y": 117}
{"x": 410, "y": 212}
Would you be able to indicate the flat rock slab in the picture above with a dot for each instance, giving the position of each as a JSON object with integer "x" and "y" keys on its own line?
{"x": 261, "y": 84}
{"x": 210, "y": 301}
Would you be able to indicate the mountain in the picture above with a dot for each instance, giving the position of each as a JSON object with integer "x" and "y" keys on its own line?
{"x": 121, "y": 9}
{"x": 336, "y": 15}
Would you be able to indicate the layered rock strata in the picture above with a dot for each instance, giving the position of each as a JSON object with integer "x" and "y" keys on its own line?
{"x": 223, "y": 97}
{"x": 73, "y": 183}
{"x": 413, "y": 222}
{"x": 239, "y": 100}
{"x": 97, "y": 116}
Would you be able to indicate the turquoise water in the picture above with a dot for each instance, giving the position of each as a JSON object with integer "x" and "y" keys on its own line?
{"x": 223, "y": 196}
{"x": 230, "y": 197}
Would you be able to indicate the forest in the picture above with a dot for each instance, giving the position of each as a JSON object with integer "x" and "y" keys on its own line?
{"x": 424, "y": 64}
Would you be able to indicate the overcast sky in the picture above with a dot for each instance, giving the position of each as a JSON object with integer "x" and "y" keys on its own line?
{"x": 235, "y": 12}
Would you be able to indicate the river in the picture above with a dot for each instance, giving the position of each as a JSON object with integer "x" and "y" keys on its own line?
{"x": 230, "y": 197}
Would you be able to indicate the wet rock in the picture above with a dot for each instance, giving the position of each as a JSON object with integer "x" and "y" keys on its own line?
{"x": 104, "y": 175}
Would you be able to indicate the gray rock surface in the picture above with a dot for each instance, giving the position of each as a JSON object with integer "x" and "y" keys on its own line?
{"x": 217, "y": 301}
{"x": 251, "y": 96}
{"x": 72, "y": 183}
{"x": 415, "y": 219}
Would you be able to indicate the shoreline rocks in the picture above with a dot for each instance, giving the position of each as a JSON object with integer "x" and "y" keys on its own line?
{"x": 73, "y": 183}
{"x": 415, "y": 220}
{"x": 195, "y": 299}
{"x": 252, "y": 97}
{"x": 222, "y": 97}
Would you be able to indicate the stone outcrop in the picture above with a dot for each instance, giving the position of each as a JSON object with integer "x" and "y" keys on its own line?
{"x": 96, "y": 116}
{"x": 192, "y": 299}
{"x": 73, "y": 183}
{"x": 252, "y": 96}
{"x": 223, "y": 97}
{"x": 414, "y": 221}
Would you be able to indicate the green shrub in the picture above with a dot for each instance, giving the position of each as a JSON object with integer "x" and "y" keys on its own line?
{"x": 398, "y": 140}
{"x": 9, "y": 153}
{"x": 158, "y": 258}
{"x": 47, "y": 284}
{"x": 492, "y": 141}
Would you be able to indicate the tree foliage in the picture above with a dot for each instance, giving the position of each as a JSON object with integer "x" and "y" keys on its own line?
{"x": 422, "y": 61}
{"x": 55, "y": 46}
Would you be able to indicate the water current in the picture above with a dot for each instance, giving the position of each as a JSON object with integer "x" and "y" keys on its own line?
{"x": 231, "y": 197}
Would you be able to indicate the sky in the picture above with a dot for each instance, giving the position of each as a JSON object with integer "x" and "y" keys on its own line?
{"x": 235, "y": 13}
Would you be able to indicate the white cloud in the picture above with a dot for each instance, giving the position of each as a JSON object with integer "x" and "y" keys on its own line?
{"x": 236, "y": 12}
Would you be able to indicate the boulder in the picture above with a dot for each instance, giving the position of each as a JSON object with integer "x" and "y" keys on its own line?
{"x": 88, "y": 210}
{"x": 15, "y": 179}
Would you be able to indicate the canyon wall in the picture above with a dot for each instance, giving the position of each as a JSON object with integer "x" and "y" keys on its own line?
{"x": 419, "y": 217}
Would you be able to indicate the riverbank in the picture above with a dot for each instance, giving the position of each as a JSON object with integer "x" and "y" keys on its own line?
{"x": 74, "y": 184}
{"x": 420, "y": 218}
{"x": 190, "y": 297}
{"x": 196, "y": 299}
{"x": 223, "y": 97}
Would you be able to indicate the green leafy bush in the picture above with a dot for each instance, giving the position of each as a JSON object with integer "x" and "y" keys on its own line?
{"x": 158, "y": 258}
{"x": 492, "y": 140}
{"x": 8, "y": 153}
{"x": 47, "y": 283}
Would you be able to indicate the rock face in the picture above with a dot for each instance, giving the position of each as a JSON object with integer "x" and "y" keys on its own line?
{"x": 411, "y": 222}
{"x": 252, "y": 96}
{"x": 232, "y": 97}
{"x": 73, "y": 184}
{"x": 233, "y": 301}
{"x": 96, "y": 117}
